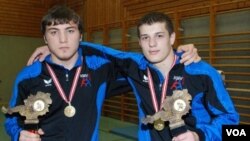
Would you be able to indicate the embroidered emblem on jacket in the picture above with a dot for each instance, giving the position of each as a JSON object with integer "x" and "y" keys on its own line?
{"x": 85, "y": 80}
{"x": 177, "y": 83}
{"x": 47, "y": 82}
{"x": 145, "y": 79}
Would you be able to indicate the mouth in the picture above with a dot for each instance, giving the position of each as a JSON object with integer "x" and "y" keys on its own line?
{"x": 153, "y": 52}
{"x": 65, "y": 47}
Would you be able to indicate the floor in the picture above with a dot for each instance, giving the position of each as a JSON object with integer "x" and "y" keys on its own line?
{"x": 106, "y": 127}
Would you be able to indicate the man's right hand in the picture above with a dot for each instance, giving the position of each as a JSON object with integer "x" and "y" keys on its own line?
{"x": 39, "y": 54}
{"x": 29, "y": 136}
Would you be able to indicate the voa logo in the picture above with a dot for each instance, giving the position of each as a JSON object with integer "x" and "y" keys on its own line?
{"x": 236, "y": 132}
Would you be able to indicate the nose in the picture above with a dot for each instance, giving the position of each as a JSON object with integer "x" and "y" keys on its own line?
{"x": 152, "y": 42}
{"x": 63, "y": 37}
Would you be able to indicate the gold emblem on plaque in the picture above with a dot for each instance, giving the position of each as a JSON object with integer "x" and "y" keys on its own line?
{"x": 34, "y": 106}
{"x": 159, "y": 124}
{"x": 174, "y": 107}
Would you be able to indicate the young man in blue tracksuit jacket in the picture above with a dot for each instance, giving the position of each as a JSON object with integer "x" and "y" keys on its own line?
{"x": 85, "y": 81}
{"x": 211, "y": 105}
{"x": 90, "y": 93}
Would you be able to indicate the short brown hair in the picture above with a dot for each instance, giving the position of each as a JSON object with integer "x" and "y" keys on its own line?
{"x": 154, "y": 17}
{"x": 60, "y": 14}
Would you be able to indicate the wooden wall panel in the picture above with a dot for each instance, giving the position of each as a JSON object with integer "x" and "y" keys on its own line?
{"x": 78, "y": 6}
{"x": 22, "y": 17}
{"x": 101, "y": 12}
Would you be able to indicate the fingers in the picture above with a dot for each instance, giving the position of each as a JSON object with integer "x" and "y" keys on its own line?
{"x": 181, "y": 137}
{"x": 187, "y": 136}
{"x": 40, "y": 132}
{"x": 34, "y": 57}
{"x": 187, "y": 58}
{"x": 185, "y": 48}
{"x": 39, "y": 54}
{"x": 190, "y": 54}
{"x": 174, "y": 139}
{"x": 41, "y": 57}
{"x": 28, "y": 136}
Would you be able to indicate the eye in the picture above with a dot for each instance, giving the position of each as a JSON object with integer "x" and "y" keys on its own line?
{"x": 53, "y": 32}
{"x": 144, "y": 37}
{"x": 160, "y": 35}
{"x": 71, "y": 30}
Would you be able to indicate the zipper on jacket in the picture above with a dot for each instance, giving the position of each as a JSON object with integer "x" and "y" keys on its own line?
{"x": 160, "y": 85}
{"x": 67, "y": 76}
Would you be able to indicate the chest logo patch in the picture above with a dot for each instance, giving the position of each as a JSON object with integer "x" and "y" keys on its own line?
{"x": 85, "y": 80}
{"x": 145, "y": 79}
{"x": 178, "y": 82}
{"x": 47, "y": 82}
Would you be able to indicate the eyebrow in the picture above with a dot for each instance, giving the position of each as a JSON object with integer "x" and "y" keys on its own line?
{"x": 160, "y": 32}
{"x": 54, "y": 28}
{"x": 155, "y": 33}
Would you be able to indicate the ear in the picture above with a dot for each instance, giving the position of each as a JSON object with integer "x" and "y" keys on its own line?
{"x": 45, "y": 40}
{"x": 172, "y": 38}
{"x": 139, "y": 41}
{"x": 80, "y": 38}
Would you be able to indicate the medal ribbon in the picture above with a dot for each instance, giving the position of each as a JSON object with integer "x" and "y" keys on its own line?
{"x": 59, "y": 87}
{"x": 152, "y": 89}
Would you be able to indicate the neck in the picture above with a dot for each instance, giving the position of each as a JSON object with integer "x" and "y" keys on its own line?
{"x": 166, "y": 65}
{"x": 67, "y": 63}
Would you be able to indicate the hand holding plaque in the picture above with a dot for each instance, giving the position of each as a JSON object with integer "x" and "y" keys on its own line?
{"x": 174, "y": 107}
{"x": 34, "y": 106}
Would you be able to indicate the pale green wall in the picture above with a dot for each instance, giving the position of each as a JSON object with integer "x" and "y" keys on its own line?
{"x": 14, "y": 53}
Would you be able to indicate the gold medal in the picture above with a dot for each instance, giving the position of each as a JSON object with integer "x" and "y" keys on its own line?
{"x": 159, "y": 124}
{"x": 69, "y": 111}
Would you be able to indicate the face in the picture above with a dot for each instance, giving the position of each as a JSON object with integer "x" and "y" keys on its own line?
{"x": 156, "y": 43}
{"x": 63, "y": 41}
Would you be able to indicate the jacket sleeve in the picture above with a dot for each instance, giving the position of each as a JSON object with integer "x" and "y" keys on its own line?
{"x": 12, "y": 128}
{"x": 123, "y": 61}
{"x": 122, "y": 65}
{"x": 119, "y": 86}
{"x": 12, "y": 122}
{"x": 217, "y": 108}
